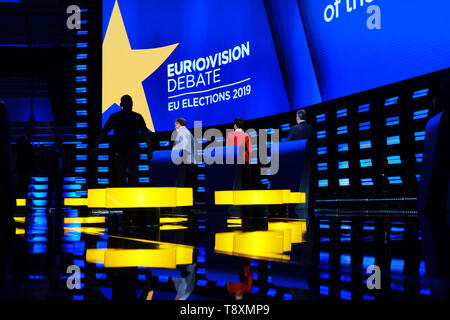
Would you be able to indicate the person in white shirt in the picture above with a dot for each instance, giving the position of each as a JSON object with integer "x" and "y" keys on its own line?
{"x": 184, "y": 141}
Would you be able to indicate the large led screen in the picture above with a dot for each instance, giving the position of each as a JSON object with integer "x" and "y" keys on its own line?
{"x": 214, "y": 60}
{"x": 200, "y": 60}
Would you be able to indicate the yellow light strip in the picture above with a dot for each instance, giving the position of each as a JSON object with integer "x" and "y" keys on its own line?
{"x": 295, "y": 229}
{"x": 184, "y": 253}
{"x": 297, "y": 197}
{"x": 21, "y": 202}
{"x": 19, "y": 219}
{"x": 267, "y": 244}
{"x": 223, "y": 197}
{"x": 75, "y": 201}
{"x": 234, "y": 220}
{"x": 166, "y": 256}
{"x": 258, "y": 197}
{"x": 151, "y": 258}
{"x": 172, "y": 227}
{"x": 87, "y": 230}
{"x": 84, "y": 220}
{"x": 96, "y": 198}
{"x": 134, "y": 198}
{"x": 172, "y": 220}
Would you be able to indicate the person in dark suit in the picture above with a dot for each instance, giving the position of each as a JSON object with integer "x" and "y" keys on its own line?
{"x": 302, "y": 130}
{"x": 305, "y": 130}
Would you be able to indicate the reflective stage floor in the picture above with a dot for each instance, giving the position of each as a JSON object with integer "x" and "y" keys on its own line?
{"x": 83, "y": 254}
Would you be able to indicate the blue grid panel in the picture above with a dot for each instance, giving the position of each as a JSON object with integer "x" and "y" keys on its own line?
{"x": 390, "y": 101}
{"x": 341, "y": 113}
{"x": 81, "y": 79}
{"x": 321, "y": 134}
{"x": 322, "y": 150}
{"x": 366, "y": 144}
{"x": 322, "y": 166}
{"x": 395, "y": 180}
{"x": 346, "y": 259}
{"x": 397, "y": 265}
{"x": 392, "y": 121}
{"x": 420, "y": 114}
{"x": 364, "y": 108}
{"x": 419, "y": 136}
{"x": 392, "y": 140}
{"x": 342, "y": 130}
{"x": 320, "y": 117}
{"x": 419, "y": 157}
{"x": 323, "y": 183}
{"x": 342, "y": 147}
{"x": 364, "y": 126}
{"x": 364, "y": 163}
{"x": 366, "y": 182}
{"x": 394, "y": 160}
{"x": 324, "y": 291}
{"x": 343, "y": 165}
{"x": 420, "y": 93}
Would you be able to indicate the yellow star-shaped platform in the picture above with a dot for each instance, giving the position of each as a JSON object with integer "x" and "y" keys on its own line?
{"x": 124, "y": 69}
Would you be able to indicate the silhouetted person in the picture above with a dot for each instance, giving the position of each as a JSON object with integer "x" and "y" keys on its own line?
{"x": 129, "y": 127}
{"x": 25, "y": 161}
{"x": 302, "y": 130}
{"x": 7, "y": 198}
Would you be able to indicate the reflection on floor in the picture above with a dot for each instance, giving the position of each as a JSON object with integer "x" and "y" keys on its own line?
{"x": 76, "y": 254}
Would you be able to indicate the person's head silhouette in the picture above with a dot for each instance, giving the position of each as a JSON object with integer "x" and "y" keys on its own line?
{"x": 126, "y": 102}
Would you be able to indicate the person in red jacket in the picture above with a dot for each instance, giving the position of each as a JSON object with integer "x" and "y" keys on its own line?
{"x": 239, "y": 138}
{"x": 239, "y": 289}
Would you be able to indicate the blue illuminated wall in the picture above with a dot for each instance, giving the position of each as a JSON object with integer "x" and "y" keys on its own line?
{"x": 302, "y": 52}
{"x": 19, "y": 109}
{"x": 203, "y": 29}
{"x": 348, "y": 57}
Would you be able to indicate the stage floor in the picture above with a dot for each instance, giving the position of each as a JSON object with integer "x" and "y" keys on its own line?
{"x": 84, "y": 254}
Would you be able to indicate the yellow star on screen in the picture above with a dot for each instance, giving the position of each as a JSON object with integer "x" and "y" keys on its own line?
{"x": 124, "y": 69}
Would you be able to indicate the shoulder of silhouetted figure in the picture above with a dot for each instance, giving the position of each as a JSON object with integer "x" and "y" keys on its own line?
{"x": 303, "y": 130}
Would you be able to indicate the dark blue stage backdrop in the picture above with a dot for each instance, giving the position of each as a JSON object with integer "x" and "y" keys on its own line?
{"x": 216, "y": 60}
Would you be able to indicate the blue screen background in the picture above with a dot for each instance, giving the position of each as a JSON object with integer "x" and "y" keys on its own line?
{"x": 297, "y": 58}
{"x": 203, "y": 28}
